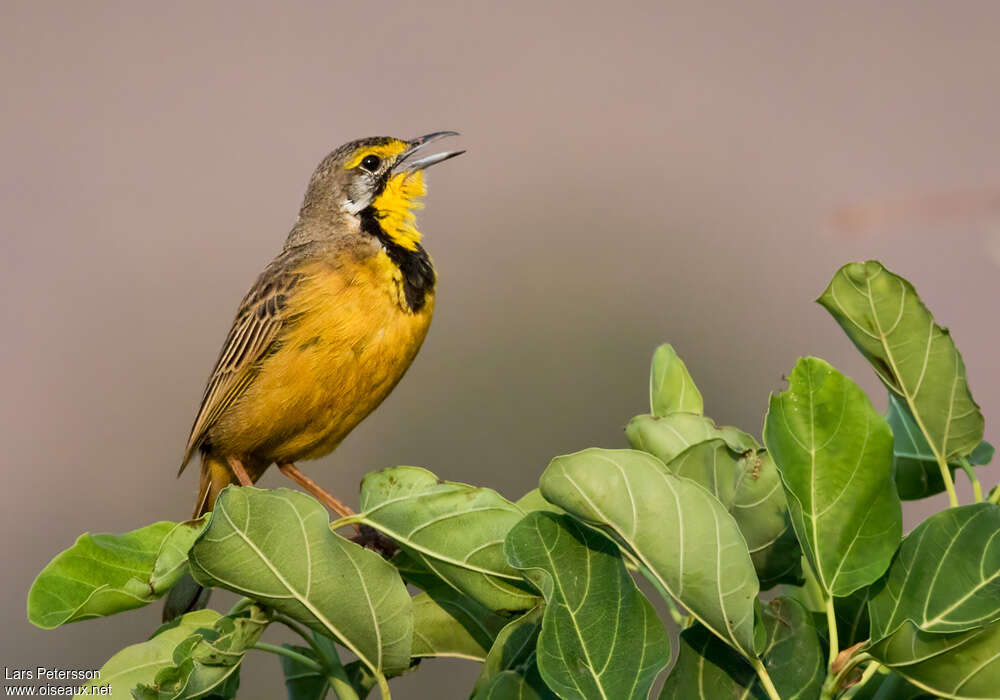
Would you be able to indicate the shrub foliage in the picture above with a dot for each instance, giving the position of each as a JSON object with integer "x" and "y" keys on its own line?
{"x": 782, "y": 566}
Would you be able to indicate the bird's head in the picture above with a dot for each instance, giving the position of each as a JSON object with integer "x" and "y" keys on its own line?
{"x": 374, "y": 180}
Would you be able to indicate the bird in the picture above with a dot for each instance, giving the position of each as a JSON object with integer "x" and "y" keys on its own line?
{"x": 327, "y": 330}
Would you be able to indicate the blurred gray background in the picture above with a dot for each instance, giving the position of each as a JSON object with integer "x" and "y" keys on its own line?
{"x": 689, "y": 172}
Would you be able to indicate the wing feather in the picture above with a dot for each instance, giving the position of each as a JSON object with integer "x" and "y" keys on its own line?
{"x": 252, "y": 337}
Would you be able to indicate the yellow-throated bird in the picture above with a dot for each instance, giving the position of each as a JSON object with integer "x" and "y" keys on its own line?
{"x": 326, "y": 331}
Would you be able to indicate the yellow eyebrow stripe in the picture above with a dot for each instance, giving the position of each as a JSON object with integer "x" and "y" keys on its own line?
{"x": 388, "y": 150}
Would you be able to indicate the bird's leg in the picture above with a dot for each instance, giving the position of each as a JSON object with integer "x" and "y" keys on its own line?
{"x": 292, "y": 472}
{"x": 239, "y": 472}
{"x": 365, "y": 535}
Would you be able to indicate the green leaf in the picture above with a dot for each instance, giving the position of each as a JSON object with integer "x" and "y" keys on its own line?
{"x": 277, "y": 548}
{"x": 852, "y": 617}
{"x": 671, "y": 389}
{"x": 946, "y": 577}
{"x": 913, "y": 356}
{"x": 982, "y": 455}
{"x": 139, "y": 663}
{"x": 361, "y": 677}
{"x": 521, "y": 684}
{"x": 207, "y": 661}
{"x": 468, "y": 627}
{"x": 600, "y": 637}
{"x": 513, "y": 647}
{"x": 416, "y": 574}
{"x": 891, "y": 686}
{"x": 707, "y": 669}
{"x": 303, "y": 682}
{"x": 749, "y": 486}
{"x": 667, "y": 437}
{"x": 954, "y": 665}
{"x": 102, "y": 575}
{"x": 454, "y": 530}
{"x": 448, "y": 624}
{"x": 675, "y": 528}
{"x": 917, "y": 471}
{"x": 533, "y": 500}
{"x": 834, "y": 453}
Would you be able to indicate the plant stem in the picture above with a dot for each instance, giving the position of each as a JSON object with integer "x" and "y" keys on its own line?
{"x": 833, "y": 683}
{"x": 336, "y": 676}
{"x": 831, "y": 623}
{"x": 813, "y": 589}
{"x": 977, "y": 489}
{"x": 383, "y": 687}
{"x": 291, "y": 654}
{"x": 241, "y": 604}
{"x": 995, "y": 496}
{"x": 304, "y": 633}
{"x": 345, "y": 521}
{"x": 870, "y": 671}
{"x": 331, "y": 669}
{"x": 949, "y": 485}
{"x": 765, "y": 679}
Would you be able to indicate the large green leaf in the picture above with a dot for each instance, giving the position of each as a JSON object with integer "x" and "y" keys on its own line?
{"x": 105, "y": 574}
{"x": 679, "y": 532}
{"x": 207, "y": 661}
{"x": 917, "y": 471}
{"x": 666, "y": 437}
{"x": 454, "y": 530}
{"x": 448, "y": 624}
{"x": 513, "y": 648}
{"x": 277, "y": 548}
{"x": 946, "y": 577}
{"x": 748, "y": 485}
{"x": 915, "y": 358}
{"x": 962, "y": 665}
{"x": 834, "y": 453}
{"x": 707, "y": 669}
{"x": 671, "y": 389}
{"x": 303, "y": 682}
{"x": 139, "y": 663}
{"x": 600, "y": 637}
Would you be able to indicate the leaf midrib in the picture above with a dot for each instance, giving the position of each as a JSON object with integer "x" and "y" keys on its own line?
{"x": 402, "y": 539}
{"x": 910, "y": 400}
{"x": 645, "y": 562}
{"x": 572, "y": 613}
{"x": 298, "y": 596}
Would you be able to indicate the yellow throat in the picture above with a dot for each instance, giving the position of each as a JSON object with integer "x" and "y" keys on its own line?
{"x": 396, "y": 206}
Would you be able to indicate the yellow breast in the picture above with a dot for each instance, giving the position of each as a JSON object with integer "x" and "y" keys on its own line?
{"x": 349, "y": 339}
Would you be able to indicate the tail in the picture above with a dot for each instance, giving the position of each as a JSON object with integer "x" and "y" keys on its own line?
{"x": 186, "y": 595}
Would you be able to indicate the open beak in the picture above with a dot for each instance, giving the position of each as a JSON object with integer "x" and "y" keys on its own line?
{"x": 404, "y": 162}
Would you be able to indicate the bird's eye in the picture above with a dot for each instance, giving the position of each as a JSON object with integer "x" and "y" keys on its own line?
{"x": 371, "y": 163}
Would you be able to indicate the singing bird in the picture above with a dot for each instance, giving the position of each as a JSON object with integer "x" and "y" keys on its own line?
{"x": 327, "y": 330}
